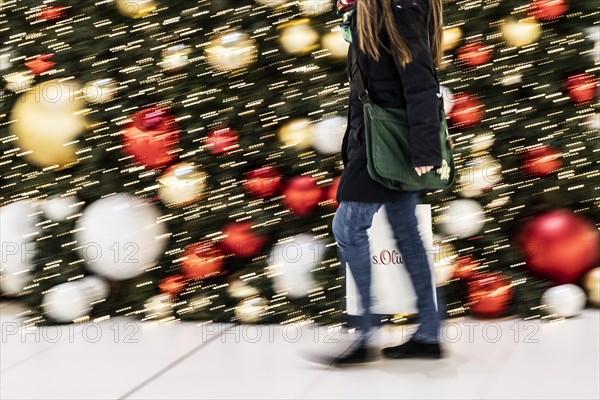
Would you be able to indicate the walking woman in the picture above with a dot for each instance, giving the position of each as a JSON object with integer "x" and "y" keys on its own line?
{"x": 397, "y": 44}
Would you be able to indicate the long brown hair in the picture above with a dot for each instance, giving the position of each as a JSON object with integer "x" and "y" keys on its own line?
{"x": 373, "y": 15}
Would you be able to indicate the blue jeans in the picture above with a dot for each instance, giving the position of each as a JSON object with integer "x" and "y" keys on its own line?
{"x": 350, "y": 224}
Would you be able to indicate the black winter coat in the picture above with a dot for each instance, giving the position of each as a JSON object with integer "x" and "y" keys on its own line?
{"x": 413, "y": 87}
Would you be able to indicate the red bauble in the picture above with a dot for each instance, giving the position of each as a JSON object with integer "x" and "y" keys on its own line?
{"x": 489, "y": 295}
{"x": 474, "y": 54}
{"x": 467, "y": 111}
{"x": 202, "y": 260}
{"x": 302, "y": 195}
{"x": 262, "y": 182}
{"x": 559, "y": 245}
{"x": 152, "y": 137}
{"x": 331, "y": 192}
{"x": 51, "y": 13}
{"x": 172, "y": 284}
{"x": 545, "y": 10}
{"x": 41, "y": 64}
{"x": 582, "y": 87}
{"x": 541, "y": 161}
{"x": 466, "y": 268}
{"x": 222, "y": 140}
{"x": 241, "y": 241}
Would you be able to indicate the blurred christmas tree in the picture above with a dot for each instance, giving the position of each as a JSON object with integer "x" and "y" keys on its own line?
{"x": 222, "y": 120}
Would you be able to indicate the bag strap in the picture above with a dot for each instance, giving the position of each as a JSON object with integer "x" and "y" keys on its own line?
{"x": 357, "y": 78}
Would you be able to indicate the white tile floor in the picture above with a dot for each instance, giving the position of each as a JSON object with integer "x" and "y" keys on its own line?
{"x": 124, "y": 359}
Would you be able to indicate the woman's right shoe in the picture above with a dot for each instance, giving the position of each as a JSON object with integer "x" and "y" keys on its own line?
{"x": 413, "y": 349}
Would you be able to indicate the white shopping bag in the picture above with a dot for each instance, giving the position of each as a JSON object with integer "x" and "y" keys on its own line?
{"x": 391, "y": 289}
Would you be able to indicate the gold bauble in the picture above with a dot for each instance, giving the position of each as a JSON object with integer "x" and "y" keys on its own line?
{"x": 46, "y": 121}
{"x": 271, "y": 3}
{"x": 521, "y": 33}
{"x": 591, "y": 282}
{"x": 297, "y": 132}
{"x": 451, "y": 38}
{"x": 182, "y": 184}
{"x": 136, "y": 8}
{"x": 251, "y": 310}
{"x": 315, "y": 7}
{"x": 335, "y": 43}
{"x": 444, "y": 256}
{"x": 231, "y": 51}
{"x": 478, "y": 175}
{"x": 298, "y": 37}
{"x": 482, "y": 142}
{"x": 175, "y": 57}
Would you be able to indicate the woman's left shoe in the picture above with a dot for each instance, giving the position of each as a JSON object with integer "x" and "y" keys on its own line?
{"x": 413, "y": 349}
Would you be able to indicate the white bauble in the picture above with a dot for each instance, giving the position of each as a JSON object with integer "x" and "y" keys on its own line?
{"x": 291, "y": 263}
{"x": 11, "y": 284}
{"x": 448, "y": 98}
{"x": 119, "y": 236}
{"x": 591, "y": 282}
{"x": 565, "y": 300}
{"x": 251, "y": 310}
{"x": 18, "y": 82}
{"x": 18, "y": 232}
{"x": 94, "y": 288}
{"x": 100, "y": 90}
{"x": 60, "y": 208}
{"x": 463, "y": 218}
{"x": 327, "y": 134}
{"x": 66, "y": 302}
{"x": 6, "y": 56}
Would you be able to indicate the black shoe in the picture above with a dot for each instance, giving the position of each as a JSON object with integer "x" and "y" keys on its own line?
{"x": 354, "y": 355}
{"x": 414, "y": 349}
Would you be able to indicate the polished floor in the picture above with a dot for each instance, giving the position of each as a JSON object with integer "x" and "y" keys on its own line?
{"x": 124, "y": 359}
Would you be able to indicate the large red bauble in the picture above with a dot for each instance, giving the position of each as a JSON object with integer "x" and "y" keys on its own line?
{"x": 240, "y": 240}
{"x": 202, "y": 260}
{"x": 331, "y": 192}
{"x": 559, "y": 245}
{"x": 545, "y": 10}
{"x": 302, "y": 195}
{"x": 172, "y": 284}
{"x": 152, "y": 137}
{"x": 41, "y": 64}
{"x": 222, "y": 140}
{"x": 489, "y": 295}
{"x": 541, "y": 161}
{"x": 262, "y": 182}
{"x": 474, "y": 54}
{"x": 467, "y": 111}
{"x": 582, "y": 87}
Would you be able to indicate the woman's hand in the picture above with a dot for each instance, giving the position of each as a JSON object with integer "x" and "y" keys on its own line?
{"x": 422, "y": 170}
